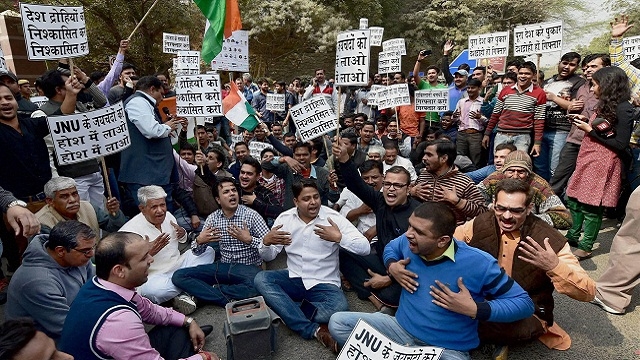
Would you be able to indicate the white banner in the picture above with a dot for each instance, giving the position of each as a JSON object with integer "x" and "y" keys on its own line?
{"x": 3, "y": 64}
{"x": 376, "y": 34}
{"x": 537, "y": 38}
{"x": 372, "y": 96}
{"x": 631, "y": 47}
{"x": 491, "y": 45}
{"x": 393, "y": 95}
{"x": 198, "y": 95}
{"x": 39, "y": 100}
{"x": 256, "y": 147}
{"x": 187, "y": 63}
{"x": 89, "y": 135}
{"x": 54, "y": 32}
{"x": 173, "y": 43}
{"x": 236, "y": 138}
{"x": 314, "y": 117}
{"x": 275, "y": 102}
{"x": 352, "y": 58}
{"x": 389, "y": 62}
{"x": 367, "y": 343}
{"x": 434, "y": 100}
{"x": 235, "y": 53}
{"x": 395, "y": 45}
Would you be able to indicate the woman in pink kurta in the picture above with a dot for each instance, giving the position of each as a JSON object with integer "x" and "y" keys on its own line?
{"x": 596, "y": 182}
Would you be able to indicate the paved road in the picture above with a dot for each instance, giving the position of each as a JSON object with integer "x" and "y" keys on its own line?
{"x": 595, "y": 334}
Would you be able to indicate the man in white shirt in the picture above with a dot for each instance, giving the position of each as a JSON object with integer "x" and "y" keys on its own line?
{"x": 391, "y": 159}
{"x": 313, "y": 235}
{"x": 155, "y": 222}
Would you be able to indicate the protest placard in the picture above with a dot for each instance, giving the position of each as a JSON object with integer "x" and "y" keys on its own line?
{"x": 389, "y": 62}
{"x": 256, "y": 147}
{"x": 198, "y": 95}
{"x": 275, "y": 102}
{"x": 392, "y": 96}
{"x": 3, "y": 63}
{"x": 314, "y": 117}
{"x": 367, "y": 343}
{"x": 54, "y": 32}
{"x": 235, "y": 53}
{"x": 187, "y": 63}
{"x": 236, "y": 138}
{"x": 372, "y": 96}
{"x": 352, "y": 58}
{"x": 486, "y": 46}
{"x": 89, "y": 135}
{"x": 434, "y": 100}
{"x": 631, "y": 46}
{"x": 376, "y": 34}
{"x": 39, "y": 100}
{"x": 395, "y": 45}
{"x": 172, "y": 43}
{"x": 537, "y": 38}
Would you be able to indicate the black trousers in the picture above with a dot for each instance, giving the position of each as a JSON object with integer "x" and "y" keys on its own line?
{"x": 510, "y": 333}
{"x": 354, "y": 268}
{"x": 171, "y": 342}
{"x": 566, "y": 167}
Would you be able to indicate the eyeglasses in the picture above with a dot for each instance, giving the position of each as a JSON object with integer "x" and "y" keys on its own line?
{"x": 389, "y": 185}
{"x": 499, "y": 209}
{"x": 86, "y": 252}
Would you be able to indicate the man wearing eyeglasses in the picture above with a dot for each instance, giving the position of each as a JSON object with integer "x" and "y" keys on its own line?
{"x": 53, "y": 269}
{"x": 536, "y": 256}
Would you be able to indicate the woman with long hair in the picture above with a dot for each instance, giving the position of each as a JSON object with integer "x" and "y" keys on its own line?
{"x": 597, "y": 180}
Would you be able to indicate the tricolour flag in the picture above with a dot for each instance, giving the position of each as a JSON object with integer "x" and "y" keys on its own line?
{"x": 223, "y": 18}
{"x": 238, "y": 110}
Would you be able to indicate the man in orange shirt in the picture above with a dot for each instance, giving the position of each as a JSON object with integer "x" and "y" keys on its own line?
{"x": 541, "y": 263}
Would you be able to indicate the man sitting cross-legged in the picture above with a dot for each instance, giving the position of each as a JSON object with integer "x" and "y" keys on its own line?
{"x": 239, "y": 231}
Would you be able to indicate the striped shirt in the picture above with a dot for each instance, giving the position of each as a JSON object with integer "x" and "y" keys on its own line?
{"x": 465, "y": 189}
{"x": 232, "y": 250}
{"x": 519, "y": 112}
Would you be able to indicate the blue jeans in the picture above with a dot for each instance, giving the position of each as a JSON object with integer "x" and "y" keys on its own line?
{"x": 552, "y": 143}
{"x": 521, "y": 141}
{"x": 218, "y": 283}
{"x": 634, "y": 174}
{"x": 342, "y": 324}
{"x": 301, "y": 310}
{"x": 184, "y": 220}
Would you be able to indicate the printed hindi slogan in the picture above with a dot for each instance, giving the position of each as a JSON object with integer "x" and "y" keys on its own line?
{"x": 491, "y": 45}
{"x": 392, "y": 96}
{"x": 173, "y": 43}
{"x": 352, "y": 58}
{"x": 235, "y": 53}
{"x": 313, "y": 117}
{"x": 372, "y": 95}
{"x": 389, "y": 62}
{"x": 256, "y": 147}
{"x": 395, "y": 45}
{"x": 275, "y": 102}
{"x": 198, "y": 95}
{"x": 537, "y": 38}
{"x": 89, "y": 135}
{"x": 434, "y": 100}
{"x": 187, "y": 63}
{"x": 631, "y": 46}
{"x": 367, "y": 343}
{"x": 54, "y": 32}
{"x": 376, "y": 35}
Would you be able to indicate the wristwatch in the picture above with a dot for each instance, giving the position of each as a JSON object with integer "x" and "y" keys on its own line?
{"x": 17, "y": 203}
{"x": 187, "y": 321}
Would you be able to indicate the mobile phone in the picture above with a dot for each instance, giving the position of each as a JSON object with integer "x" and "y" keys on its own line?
{"x": 425, "y": 52}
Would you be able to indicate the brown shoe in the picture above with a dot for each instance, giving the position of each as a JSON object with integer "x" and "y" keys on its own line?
{"x": 324, "y": 336}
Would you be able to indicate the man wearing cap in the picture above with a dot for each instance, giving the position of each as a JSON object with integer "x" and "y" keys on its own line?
{"x": 25, "y": 107}
{"x": 25, "y": 88}
{"x": 546, "y": 204}
{"x": 458, "y": 90}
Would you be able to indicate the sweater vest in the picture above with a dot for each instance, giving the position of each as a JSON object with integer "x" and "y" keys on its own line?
{"x": 486, "y": 237}
{"x": 327, "y": 90}
{"x": 88, "y": 312}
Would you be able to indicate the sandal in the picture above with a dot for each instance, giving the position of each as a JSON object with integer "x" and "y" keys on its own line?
{"x": 581, "y": 254}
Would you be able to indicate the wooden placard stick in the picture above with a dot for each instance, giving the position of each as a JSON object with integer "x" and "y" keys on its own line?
{"x": 142, "y": 20}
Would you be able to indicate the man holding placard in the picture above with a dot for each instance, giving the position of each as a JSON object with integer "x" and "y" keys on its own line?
{"x": 519, "y": 112}
{"x": 321, "y": 87}
{"x": 259, "y": 102}
{"x": 431, "y": 83}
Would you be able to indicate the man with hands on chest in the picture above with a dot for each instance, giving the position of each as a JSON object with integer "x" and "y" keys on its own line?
{"x": 239, "y": 232}
{"x": 446, "y": 289}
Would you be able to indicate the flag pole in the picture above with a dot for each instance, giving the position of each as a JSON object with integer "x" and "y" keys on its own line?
{"x": 142, "y": 20}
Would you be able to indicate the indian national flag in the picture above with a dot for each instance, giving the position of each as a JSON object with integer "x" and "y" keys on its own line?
{"x": 238, "y": 110}
{"x": 223, "y": 18}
